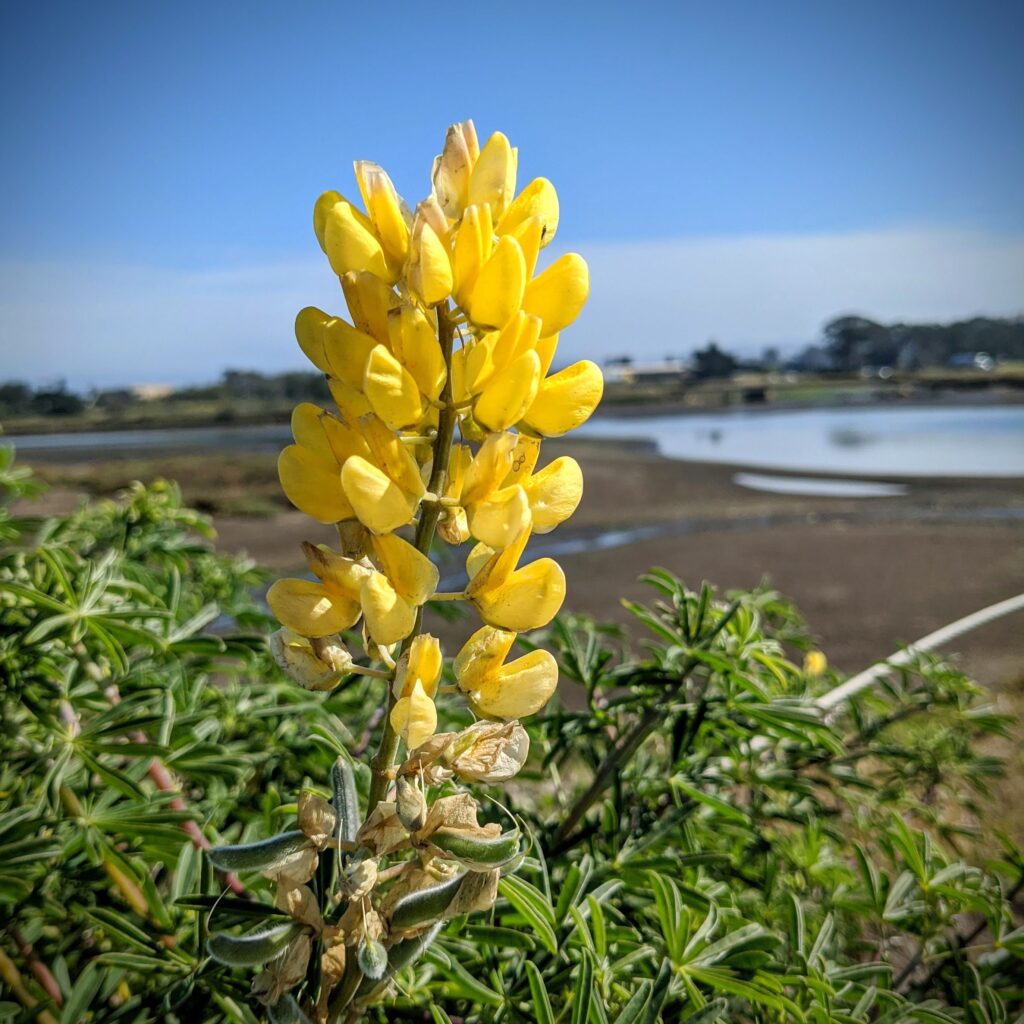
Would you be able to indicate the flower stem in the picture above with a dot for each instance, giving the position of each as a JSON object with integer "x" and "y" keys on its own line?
{"x": 384, "y": 758}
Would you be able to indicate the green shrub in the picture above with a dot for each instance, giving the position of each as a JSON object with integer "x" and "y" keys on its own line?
{"x": 704, "y": 845}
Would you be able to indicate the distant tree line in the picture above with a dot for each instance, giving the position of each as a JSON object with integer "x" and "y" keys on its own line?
{"x": 850, "y": 344}
{"x": 20, "y": 399}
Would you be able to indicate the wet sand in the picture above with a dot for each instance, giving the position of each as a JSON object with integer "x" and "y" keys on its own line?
{"x": 867, "y": 573}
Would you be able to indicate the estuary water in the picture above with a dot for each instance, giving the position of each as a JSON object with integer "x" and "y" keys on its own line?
{"x": 966, "y": 441}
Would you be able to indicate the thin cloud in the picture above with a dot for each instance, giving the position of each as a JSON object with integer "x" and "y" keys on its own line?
{"x": 108, "y": 324}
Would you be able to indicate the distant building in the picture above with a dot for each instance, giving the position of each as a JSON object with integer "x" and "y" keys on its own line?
{"x": 972, "y": 361}
{"x": 151, "y": 392}
{"x": 625, "y": 371}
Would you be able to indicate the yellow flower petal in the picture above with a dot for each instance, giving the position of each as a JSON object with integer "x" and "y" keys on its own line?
{"x": 430, "y": 270}
{"x": 473, "y": 244}
{"x": 558, "y": 294}
{"x": 554, "y": 493}
{"x": 389, "y": 617}
{"x": 415, "y": 345}
{"x": 515, "y": 339}
{"x": 385, "y": 209}
{"x": 412, "y": 573}
{"x": 313, "y": 484}
{"x": 493, "y": 180}
{"x": 509, "y": 395}
{"x": 369, "y": 301}
{"x": 323, "y": 206}
{"x": 518, "y": 689}
{"x": 391, "y": 390}
{"x": 528, "y": 599}
{"x": 350, "y": 246}
{"x": 545, "y": 349}
{"x": 499, "y": 288}
{"x": 528, "y": 235}
{"x": 481, "y": 655}
{"x": 311, "y": 609}
{"x": 524, "y": 458}
{"x": 379, "y": 503}
{"x": 414, "y": 718}
{"x": 489, "y": 467}
{"x": 392, "y": 456}
{"x": 351, "y": 402}
{"x": 344, "y": 441}
{"x": 342, "y": 575}
{"x": 539, "y": 199}
{"x": 347, "y": 350}
{"x": 422, "y": 664}
{"x": 500, "y": 518}
{"x": 309, "y": 332}
{"x": 566, "y": 399}
{"x": 308, "y": 431}
{"x": 454, "y": 166}
{"x": 489, "y": 569}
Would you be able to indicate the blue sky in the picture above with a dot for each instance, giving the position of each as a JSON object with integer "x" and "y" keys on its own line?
{"x": 737, "y": 170}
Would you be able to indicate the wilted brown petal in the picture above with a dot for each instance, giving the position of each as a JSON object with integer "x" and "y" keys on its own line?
{"x": 489, "y": 752}
{"x": 295, "y": 869}
{"x": 285, "y": 972}
{"x": 299, "y": 902}
{"x": 383, "y": 832}
{"x": 316, "y": 818}
{"x": 477, "y": 893}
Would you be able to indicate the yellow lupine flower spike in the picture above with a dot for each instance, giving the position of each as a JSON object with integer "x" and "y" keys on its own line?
{"x": 498, "y": 690}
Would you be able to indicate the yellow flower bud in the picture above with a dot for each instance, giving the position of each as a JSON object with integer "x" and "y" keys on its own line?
{"x": 388, "y": 214}
{"x": 413, "y": 716}
{"x": 350, "y": 245}
{"x": 506, "y": 399}
{"x": 498, "y": 291}
{"x": 414, "y": 342}
{"x": 566, "y": 399}
{"x": 493, "y": 180}
{"x": 539, "y": 199}
{"x": 453, "y": 167}
{"x": 391, "y": 390}
{"x": 815, "y": 663}
{"x": 430, "y": 270}
{"x": 369, "y": 301}
{"x": 474, "y": 243}
{"x": 558, "y": 294}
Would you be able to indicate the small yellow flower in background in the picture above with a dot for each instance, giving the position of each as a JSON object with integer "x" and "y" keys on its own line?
{"x": 443, "y": 373}
{"x": 815, "y": 663}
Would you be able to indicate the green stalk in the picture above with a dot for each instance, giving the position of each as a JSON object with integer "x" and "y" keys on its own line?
{"x": 430, "y": 512}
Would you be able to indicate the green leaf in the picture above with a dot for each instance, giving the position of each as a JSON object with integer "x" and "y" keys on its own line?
{"x": 726, "y": 810}
{"x": 539, "y": 995}
{"x": 583, "y": 991}
{"x": 532, "y": 905}
{"x": 82, "y": 995}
